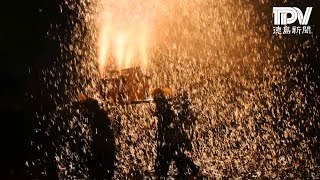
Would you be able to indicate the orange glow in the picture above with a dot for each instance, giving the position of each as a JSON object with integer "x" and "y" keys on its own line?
{"x": 124, "y": 34}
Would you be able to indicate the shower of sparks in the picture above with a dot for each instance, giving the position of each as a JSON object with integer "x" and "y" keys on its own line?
{"x": 254, "y": 111}
{"x": 125, "y": 33}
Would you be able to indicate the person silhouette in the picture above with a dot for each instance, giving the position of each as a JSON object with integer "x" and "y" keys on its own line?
{"x": 172, "y": 139}
{"x": 101, "y": 164}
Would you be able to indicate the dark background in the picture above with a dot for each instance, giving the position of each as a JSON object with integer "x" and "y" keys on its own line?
{"x": 26, "y": 49}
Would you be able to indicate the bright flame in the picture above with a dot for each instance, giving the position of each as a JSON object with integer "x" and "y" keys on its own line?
{"x": 124, "y": 34}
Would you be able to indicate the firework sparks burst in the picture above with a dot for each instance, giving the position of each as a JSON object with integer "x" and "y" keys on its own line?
{"x": 125, "y": 33}
{"x": 231, "y": 69}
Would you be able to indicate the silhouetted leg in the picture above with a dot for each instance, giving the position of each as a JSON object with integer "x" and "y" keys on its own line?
{"x": 109, "y": 163}
{"x": 163, "y": 161}
{"x": 185, "y": 165}
{"x": 96, "y": 171}
{"x": 101, "y": 168}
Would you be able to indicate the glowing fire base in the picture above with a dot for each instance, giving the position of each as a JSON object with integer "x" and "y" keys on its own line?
{"x": 126, "y": 86}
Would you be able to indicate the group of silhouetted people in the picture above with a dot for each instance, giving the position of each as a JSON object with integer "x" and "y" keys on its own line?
{"x": 172, "y": 139}
{"x": 99, "y": 158}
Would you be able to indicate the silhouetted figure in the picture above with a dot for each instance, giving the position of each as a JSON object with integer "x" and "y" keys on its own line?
{"x": 172, "y": 139}
{"x": 102, "y": 162}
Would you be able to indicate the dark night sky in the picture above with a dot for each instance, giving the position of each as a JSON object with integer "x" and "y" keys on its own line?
{"x": 23, "y": 42}
{"x": 24, "y": 46}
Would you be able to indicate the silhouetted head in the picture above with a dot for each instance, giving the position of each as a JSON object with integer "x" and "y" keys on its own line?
{"x": 87, "y": 103}
{"x": 161, "y": 96}
{"x": 91, "y": 105}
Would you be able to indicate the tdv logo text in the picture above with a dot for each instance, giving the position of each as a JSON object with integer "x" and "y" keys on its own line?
{"x": 285, "y": 17}
{"x": 281, "y": 15}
